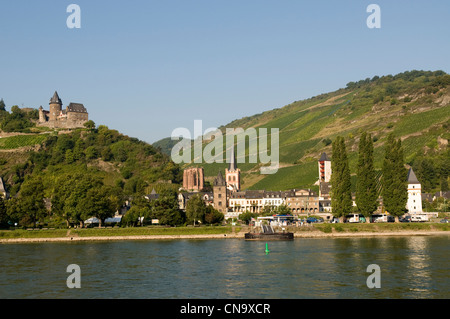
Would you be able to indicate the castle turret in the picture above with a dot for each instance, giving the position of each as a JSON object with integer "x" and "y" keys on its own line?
{"x": 41, "y": 115}
{"x": 55, "y": 107}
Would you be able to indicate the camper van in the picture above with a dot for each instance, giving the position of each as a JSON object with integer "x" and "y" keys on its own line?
{"x": 380, "y": 218}
{"x": 355, "y": 218}
{"x": 419, "y": 218}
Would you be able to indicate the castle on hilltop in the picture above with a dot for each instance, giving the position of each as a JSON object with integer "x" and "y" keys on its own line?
{"x": 74, "y": 116}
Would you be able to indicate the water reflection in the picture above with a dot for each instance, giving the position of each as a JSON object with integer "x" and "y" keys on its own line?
{"x": 411, "y": 267}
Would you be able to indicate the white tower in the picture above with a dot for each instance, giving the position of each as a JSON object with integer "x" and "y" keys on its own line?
{"x": 414, "y": 204}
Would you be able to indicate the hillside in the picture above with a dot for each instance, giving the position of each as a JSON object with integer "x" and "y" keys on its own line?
{"x": 413, "y": 105}
{"x": 117, "y": 160}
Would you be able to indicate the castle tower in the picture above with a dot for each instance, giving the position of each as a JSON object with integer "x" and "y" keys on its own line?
{"x": 42, "y": 118}
{"x": 414, "y": 204}
{"x": 193, "y": 179}
{"x": 220, "y": 194}
{"x": 55, "y": 107}
{"x": 324, "y": 168}
{"x": 233, "y": 174}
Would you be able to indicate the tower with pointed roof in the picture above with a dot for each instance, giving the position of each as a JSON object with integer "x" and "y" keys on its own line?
{"x": 220, "y": 194}
{"x": 55, "y": 107}
{"x": 414, "y": 203}
{"x": 75, "y": 114}
{"x": 233, "y": 174}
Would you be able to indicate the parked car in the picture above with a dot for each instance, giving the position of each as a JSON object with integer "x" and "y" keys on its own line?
{"x": 406, "y": 219}
{"x": 310, "y": 220}
{"x": 335, "y": 220}
{"x": 445, "y": 220}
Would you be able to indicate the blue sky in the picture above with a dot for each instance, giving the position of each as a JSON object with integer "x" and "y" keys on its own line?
{"x": 148, "y": 67}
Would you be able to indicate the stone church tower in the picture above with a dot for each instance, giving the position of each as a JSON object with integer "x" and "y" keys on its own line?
{"x": 233, "y": 174}
{"x": 193, "y": 179}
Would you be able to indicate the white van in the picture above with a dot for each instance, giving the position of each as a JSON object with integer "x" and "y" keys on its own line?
{"x": 419, "y": 218}
{"x": 380, "y": 218}
{"x": 356, "y": 218}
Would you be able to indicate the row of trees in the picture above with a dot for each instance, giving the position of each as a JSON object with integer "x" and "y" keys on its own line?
{"x": 75, "y": 198}
{"x": 79, "y": 197}
{"x": 165, "y": 208}
{"x": 393, "y": 179}
{"x": 17, "y": 120}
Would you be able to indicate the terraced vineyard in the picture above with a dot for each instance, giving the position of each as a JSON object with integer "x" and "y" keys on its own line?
{"x": 414, "y": 106}
{"x": 19, "y": 141}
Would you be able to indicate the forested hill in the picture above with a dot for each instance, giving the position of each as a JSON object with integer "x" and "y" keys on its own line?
{"x": 414, "y": 106}
{"x": 112, "y": 159}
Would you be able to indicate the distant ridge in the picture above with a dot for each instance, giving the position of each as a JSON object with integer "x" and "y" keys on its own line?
{"x": 413, "y": 105}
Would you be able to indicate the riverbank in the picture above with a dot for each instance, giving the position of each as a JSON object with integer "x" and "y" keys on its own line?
{"x": 199, "y": 233}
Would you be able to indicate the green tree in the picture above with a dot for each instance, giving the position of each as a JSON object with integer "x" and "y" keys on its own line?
{"x": 366, "y": 184}
{"x": 394, "y": 192}
{"x": 213, "y": 216}
{"x": 91, "y": 152}
{"x": 195, "y": 209}
{"x": 268, "y": 210}
{"x": 283, "y": 210}
{"x": 341, "y": 196}
{"x": 3, "y": 212}
{"x": 89, "y": 125}
{"x": 137, "y": 215}
{"x": 2, "y": 105}
{"x": 246, "y": 216}
{"x": 32, "y": 200}
{"x": 69, "y": 156}
{"x": 166, "y": 209}
{"x": 13, "y": 210}
{"x": 69, "y": 196}
{"x": 98, "y": 204}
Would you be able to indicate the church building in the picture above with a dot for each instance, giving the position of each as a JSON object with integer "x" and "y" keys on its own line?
{"x": 233, "y": 174}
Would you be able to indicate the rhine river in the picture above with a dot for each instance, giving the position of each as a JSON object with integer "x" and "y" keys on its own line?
{"x": 410, "y": 267}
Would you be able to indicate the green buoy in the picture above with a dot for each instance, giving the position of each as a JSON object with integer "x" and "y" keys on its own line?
{"x": 267, "y": 249}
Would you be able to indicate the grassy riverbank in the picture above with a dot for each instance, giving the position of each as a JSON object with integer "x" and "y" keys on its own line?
{"x": 380, "y": 227}
{"x": 117, "y": 232}
{"x": 317, "y": 230}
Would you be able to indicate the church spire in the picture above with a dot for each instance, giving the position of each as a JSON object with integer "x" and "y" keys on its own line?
{"x": 233, "y": 165}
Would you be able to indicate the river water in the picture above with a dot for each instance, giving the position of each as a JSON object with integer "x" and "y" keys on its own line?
{"x": 410, "y": 267}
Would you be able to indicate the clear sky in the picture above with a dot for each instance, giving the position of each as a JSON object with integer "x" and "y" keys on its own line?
{"x": 148, "y": 67}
